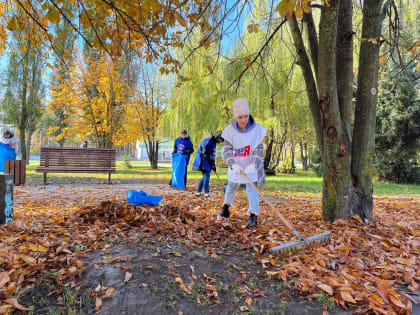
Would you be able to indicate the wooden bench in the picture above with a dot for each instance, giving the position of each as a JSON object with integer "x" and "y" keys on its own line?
{"x": 75, "y": 160}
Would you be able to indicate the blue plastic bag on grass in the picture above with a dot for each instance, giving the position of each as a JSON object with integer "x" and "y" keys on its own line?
{"x": 179, "y": 163}
{"x": 138, "y": 198}
{"x": 6, "y": 153}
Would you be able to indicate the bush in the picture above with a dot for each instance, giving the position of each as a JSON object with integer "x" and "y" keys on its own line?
{"x": 286, "y": 167}
{"x": 398, "y": 128}
{"x": 126, "y": 161}
{"x": 316, "y": 162}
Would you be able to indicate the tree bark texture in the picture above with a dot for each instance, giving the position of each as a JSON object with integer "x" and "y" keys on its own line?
{"x": 344, "y": 62}
{"x": 152, "y": 148}
{"x": 363, "y": 145}
{"x": 336, "y": 155}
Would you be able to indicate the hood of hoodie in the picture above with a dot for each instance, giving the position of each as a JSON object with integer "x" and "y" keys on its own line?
{"x": 251, "y": 125}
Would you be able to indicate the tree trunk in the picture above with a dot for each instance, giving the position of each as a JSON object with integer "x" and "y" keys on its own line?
{"x": 365, "y": 113}
{"x": 304, "y": 155}
{"x": 28, "y": 146}
{"x": 292, "y": 157}
{"x": 336, "y": 156}
{"x": 268, "y": 151}
{"x": 344, "y": 63}
{"x": 152, "y": 148}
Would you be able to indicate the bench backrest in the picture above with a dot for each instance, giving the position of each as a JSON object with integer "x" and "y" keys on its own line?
{"x": 75, "y": 157}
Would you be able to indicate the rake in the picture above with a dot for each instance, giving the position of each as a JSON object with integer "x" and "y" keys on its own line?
{"x": 220, "y": 182}
{"x": 291, "y": 247}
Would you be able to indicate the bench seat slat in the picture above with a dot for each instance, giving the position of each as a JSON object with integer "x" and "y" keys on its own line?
{"x": 76, "y": 160}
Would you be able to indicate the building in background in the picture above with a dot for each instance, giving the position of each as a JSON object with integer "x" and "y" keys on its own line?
{"x": 165, "y": 151}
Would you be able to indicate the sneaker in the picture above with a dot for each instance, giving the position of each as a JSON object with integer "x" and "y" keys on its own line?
{"x": 198, "y": 194}
{"x": 206, "y": 195}
{"x": 225, "y": 211}
{"x": 252, "y": 221}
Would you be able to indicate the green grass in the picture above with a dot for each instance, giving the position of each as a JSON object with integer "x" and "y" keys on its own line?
{"x": 301, "y": 182}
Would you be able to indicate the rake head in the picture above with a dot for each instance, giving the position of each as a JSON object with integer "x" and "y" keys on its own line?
{"x": 296, "y": 246}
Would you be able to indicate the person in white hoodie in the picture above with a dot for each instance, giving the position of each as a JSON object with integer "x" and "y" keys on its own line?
{"x": 243, "y": 151}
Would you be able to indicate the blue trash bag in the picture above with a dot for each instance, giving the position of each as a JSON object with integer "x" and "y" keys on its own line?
{"x": 179, "y": 163}
{"x": 6, "y": 153}
{"x": 138, "y": 198}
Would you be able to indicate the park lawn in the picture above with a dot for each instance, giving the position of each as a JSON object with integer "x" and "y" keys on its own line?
{"x": 305, "y": 182}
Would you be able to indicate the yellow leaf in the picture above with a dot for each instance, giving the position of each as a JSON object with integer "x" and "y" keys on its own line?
{"x": 12, "y": 25}
{"x": 29, "y": 260}
{"x": 283, "y": 7}
{"x": 53, "y": 16}
{"x": 299, "y": 11}
{"x": 109, "y": 292}
{"x": 216, "y": 7}
{"x": 306, "y": 7}
{"x": 382, "y": 60}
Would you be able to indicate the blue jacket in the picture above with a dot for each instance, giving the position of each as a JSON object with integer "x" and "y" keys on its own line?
{"x": 185, "y": 146}
{"x": 206, "y": 155}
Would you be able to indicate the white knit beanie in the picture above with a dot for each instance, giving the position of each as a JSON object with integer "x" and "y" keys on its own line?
{"x": 240, "y": 107}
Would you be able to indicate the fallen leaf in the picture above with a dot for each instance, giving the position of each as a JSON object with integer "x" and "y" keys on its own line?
{"x": 98, "y": 303}
{"x": 326, "y": 288}
{"x": 128, "y": 276}
{"x": 109, "y": 292}
{"x": 346, "y": 296}
{"x": 16, "y": 304}
{"x": 248, "y": 301}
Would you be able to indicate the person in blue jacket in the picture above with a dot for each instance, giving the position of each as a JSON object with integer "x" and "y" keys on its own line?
{"x": 205, "y": 161}
{"x": 183, "y": 144}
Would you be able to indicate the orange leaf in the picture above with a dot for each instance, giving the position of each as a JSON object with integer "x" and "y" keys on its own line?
{"x": 382, "y": 60}
{"x": 346, "y": 296}
{"x": 248, "y": 301}
{"x": 109, "y": 292}
{"x": 326, "y": 288}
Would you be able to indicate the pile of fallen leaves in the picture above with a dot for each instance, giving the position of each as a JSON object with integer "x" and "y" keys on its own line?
{"x": 365, "y": 267}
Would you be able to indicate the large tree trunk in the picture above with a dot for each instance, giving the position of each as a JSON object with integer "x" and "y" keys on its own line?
{"x": 365, "y": 114}
{"x": 336, "y": 155}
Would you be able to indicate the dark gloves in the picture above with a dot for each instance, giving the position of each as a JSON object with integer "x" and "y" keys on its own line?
{"x": 213, "y": 167}
{"x": 188, "y": 151}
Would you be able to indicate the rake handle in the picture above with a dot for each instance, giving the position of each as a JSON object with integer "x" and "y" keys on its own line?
{"x": 285, "y": 221}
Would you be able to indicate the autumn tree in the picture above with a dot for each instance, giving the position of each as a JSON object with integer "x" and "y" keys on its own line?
{"x": 61, "y": 106}
{"x": 24, "y": 89}
{"x": 148, "y": 103}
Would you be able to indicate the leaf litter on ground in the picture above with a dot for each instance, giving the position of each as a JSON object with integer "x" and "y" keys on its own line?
{"x": 363, "y": 268}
